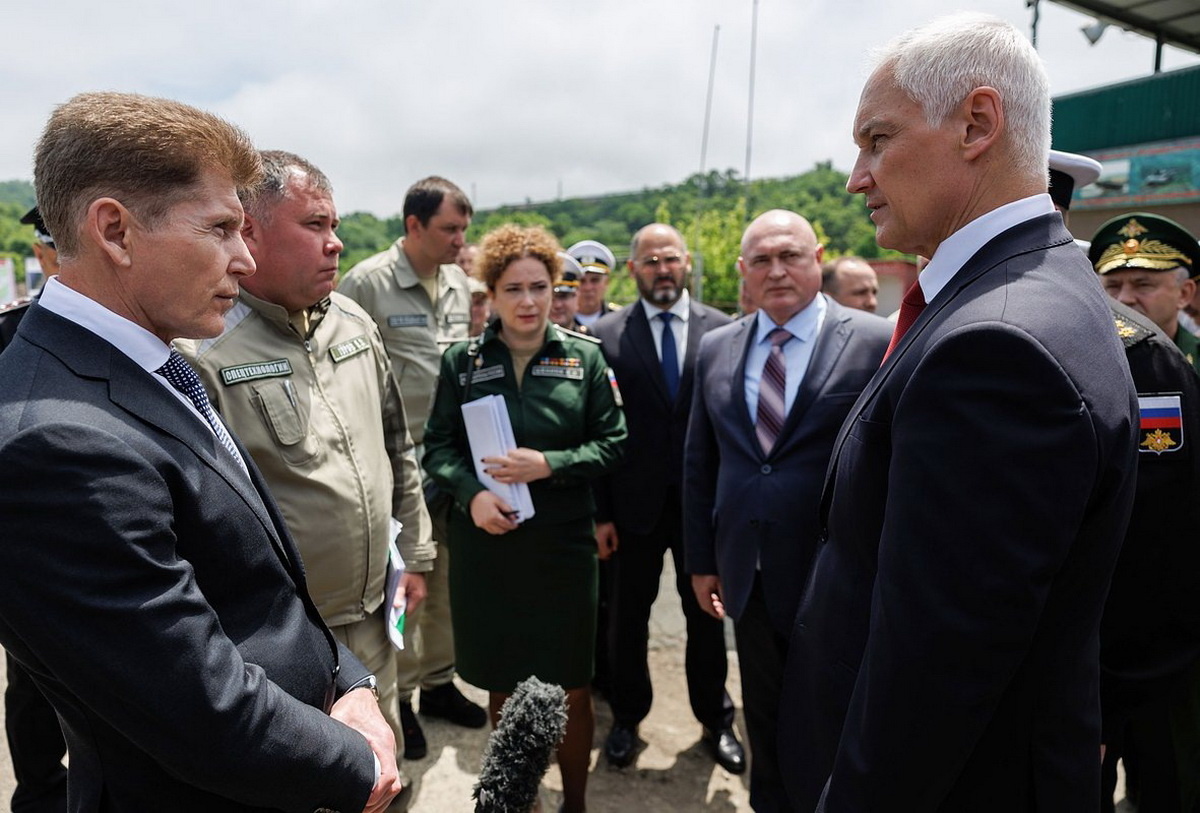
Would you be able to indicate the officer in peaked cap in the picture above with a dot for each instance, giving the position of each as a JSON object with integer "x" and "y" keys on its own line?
{"x": 1150, "y": 630}
{"x": 1068, "y": 172}
{"x": 35, "y": 740}
{"x": 11, "y": 313}
{"x": 566, "y": 295}
{"x": 597, "y": 262}
{"x": 1149, "y": 263}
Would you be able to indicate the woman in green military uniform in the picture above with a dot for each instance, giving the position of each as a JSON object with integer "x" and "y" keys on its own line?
{"x": 523, "y": 591}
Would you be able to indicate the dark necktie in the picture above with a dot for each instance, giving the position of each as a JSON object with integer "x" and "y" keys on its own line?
{"x": 181, "y": 376}
{"x": 772, "y": 387}
{"x": 910, "y": 308}
{"x": 670, "y": 356}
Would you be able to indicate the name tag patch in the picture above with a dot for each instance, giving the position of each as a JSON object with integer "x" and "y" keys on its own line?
{"x": 352, "y": 347}
{"x": 1161, "y": 424}
{"x": 485, "y": 374}
{"x": 410, "y": 320}
{"x": 554, "y": 371}
{"x": 254, "y": 371}
{"x": 458, "y": 318}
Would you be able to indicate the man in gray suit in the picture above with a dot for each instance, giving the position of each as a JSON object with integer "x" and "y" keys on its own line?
{"x": 771, "y": 392}
{"x": 147, "y": 581}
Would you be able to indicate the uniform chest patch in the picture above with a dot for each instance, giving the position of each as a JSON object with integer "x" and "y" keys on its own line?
{"x": 349, "y": 348}
{"x": 548, "y": 367}
{"x": 458, "y": 318}
{"x": 1161, "y": 419}
{"x": 255, "y": 370}
{"x": 408, "y": 320}
{"x": 484, "y": 374}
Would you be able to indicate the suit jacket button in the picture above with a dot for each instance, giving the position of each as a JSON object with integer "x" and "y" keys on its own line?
{"x": 766, "y": 469}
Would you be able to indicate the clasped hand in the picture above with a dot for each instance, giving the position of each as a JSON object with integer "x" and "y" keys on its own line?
{"x": 492, "y": 513}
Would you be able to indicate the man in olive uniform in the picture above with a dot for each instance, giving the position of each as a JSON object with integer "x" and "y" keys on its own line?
{"x": 422, "y": 303}
{"x": 35, "y": 741}
{"x": 301, "y": 376}
{"x": 1150, "y": 262}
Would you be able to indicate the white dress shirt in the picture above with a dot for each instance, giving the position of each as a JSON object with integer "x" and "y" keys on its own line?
{"x": 797, "y": 352}
{"x": 682, "y": 310}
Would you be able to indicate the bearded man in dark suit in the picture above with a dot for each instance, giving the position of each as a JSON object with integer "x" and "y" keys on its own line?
{"x": 651, "y": 346}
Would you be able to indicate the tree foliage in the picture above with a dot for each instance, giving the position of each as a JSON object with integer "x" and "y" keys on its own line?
{"x": 710, "y": 209}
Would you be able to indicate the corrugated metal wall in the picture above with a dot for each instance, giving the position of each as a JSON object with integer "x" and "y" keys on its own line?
{"x": 1157, "y": 108}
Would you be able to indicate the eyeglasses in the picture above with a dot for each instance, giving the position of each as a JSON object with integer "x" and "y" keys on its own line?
{"x": 654, "y": 261}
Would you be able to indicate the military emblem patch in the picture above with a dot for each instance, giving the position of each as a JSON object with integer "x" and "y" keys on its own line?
{"x": 1161, "y": 419}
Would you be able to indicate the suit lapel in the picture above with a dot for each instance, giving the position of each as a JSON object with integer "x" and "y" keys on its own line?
{"x": 637, "y": 327}
{"x": 739, "y": 349}
{"x": 831, "y": 340}
{"x": 697, "y": 323}
{"x": 135, "y": 391}
{"x": 1038, "y": 234}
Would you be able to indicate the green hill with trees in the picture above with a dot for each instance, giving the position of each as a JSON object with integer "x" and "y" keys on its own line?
{"x": 710, "y": 209}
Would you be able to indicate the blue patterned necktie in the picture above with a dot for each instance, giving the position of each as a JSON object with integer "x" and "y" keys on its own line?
{"x": 670, "y": 356}
{"x": 181, "y": 376}
{"x": 771, "y": 392}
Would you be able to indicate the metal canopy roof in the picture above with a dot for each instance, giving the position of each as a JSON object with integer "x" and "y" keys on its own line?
{"x": 1169, "y": 22}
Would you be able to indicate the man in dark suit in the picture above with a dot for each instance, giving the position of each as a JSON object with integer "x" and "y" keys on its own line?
{"x": 149, "y": 584}
{"x": 651, "y": 346}
{"x": 944, "y": 656}
{"x": 771, "y": 392}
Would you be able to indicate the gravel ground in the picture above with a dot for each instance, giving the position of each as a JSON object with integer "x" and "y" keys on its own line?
{"x": 673, "y": 774}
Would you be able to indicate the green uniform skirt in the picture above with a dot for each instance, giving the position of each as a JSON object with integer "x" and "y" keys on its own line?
{"x": 523, "y": 603}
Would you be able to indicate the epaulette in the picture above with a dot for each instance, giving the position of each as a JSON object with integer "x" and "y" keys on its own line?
{"x": 16, "y": 304}
{"x": 574, "y": 334}
{"x": 1130, "y": 333}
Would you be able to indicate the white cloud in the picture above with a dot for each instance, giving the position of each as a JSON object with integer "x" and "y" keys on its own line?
{"x": 507, "y": 98}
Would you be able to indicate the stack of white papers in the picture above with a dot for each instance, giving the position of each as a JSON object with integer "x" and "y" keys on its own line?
{"x": 490, "y": 433}
{"x": 397, "y": 611}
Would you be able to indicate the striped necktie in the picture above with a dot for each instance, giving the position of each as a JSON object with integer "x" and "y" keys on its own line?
{"x": 181, "y": 376}
{"x": 771, "y": 389}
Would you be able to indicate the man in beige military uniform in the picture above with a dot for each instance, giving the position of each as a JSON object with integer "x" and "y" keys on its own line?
{"x": 422, "y": 303}
{"x": 300, "y": 374}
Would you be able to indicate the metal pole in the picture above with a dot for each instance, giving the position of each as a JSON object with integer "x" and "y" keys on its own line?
{"x": 750, "y": 109}
{"x": 698, "y": 264}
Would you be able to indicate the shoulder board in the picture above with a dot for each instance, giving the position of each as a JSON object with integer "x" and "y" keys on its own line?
{"x": 1130, "y": 333}
{"x": 566, "y": 333}
{"x": 16, "y": 304}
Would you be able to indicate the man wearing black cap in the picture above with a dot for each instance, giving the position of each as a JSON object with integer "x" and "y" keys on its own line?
{"x": 35, "y": 740}
{"x": 47, "y": 257}
{"x": 1149, "y": 263}
{"x": 565, "y": 306}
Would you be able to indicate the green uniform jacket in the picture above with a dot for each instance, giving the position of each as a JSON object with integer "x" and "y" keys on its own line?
{"x": 322, "y": 417}
{"x": 567, "y": 408}
{"x": 1190, "y": 346}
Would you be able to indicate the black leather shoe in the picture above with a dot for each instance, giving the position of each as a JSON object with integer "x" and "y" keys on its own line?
{"x": 449, "y": 703}
{"x": 414, "y": 738}
{"x": 726, "y": 750}
{"x": 620, "y": 747}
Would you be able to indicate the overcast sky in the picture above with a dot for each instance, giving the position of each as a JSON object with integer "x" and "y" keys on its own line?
{"x": 511, "y": 99}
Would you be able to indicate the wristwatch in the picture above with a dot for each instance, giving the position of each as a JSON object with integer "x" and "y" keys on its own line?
{"x": 368, "y": 682}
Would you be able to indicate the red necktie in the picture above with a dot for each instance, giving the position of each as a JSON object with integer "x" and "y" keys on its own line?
{"x": 910, "y": 308}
